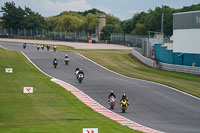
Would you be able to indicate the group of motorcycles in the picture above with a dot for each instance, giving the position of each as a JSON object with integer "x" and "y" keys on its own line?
{"x": 78, "y": 72}
{"x": 47, "y": 46}
{"x": 80, "y": 76}
{"x": 123, "y": 104}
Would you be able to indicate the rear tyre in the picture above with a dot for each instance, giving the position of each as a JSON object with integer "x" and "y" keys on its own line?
{"x": 123, "y": 109}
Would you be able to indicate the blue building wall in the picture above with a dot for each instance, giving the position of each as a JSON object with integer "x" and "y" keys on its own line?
{"x": 167, "y": 56}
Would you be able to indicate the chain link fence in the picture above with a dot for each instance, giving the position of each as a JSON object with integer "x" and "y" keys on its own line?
{"x": 45, "y": 34}
{"x": 140, "y": 43}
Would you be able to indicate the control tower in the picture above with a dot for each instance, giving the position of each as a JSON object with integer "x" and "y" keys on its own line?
{"x": 101, "y": 24}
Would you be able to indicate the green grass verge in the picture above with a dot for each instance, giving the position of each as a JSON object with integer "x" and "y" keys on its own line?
{"x": 51, "y": 109}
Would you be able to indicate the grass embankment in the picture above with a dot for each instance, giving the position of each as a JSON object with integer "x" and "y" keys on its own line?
{"x": 50, "y": 109}
{"x": 122, "y": 61}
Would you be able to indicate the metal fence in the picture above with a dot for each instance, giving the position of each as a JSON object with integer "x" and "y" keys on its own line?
{"x": 180, "y": 68}
{"x": 44, "y": 34}
{"x": 164, "y": 66}
{"x": 144, "y": 44}
{"x": 140, "y": 42}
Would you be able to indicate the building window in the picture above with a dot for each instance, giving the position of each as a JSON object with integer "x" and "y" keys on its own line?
{"x": 197, "y": 20}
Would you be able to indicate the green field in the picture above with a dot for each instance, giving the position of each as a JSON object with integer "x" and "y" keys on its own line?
{"x": 122, "y": 61}
{"x": 51, "y": 109}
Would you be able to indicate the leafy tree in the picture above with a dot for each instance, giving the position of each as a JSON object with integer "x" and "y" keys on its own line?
{"x": 127, "y": 25}
{"x": 1, "y": 23}
{"x": 92, "y": 11}
{"x": 140, "y": 29}
{"x": 90, "y": 23}
{"x": 13, "y": 17}
{"x": 34, "y": 20}
{"x": 108, "y": 29}
{"x": 17, "y": 18}
{"x": 68, "y": 23}
{"x": 52, "y": 22}
{"x": 110, "y": 19}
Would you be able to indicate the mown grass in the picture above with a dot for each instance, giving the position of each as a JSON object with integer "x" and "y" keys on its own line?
{"x": 50, "y": 109}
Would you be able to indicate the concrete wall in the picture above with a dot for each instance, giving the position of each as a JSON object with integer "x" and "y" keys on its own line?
{"x": 170, "y": 57}
{"x": 163, "y": 55}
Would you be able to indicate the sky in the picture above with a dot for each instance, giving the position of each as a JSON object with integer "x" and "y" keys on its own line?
{"x": 123, "y": 9}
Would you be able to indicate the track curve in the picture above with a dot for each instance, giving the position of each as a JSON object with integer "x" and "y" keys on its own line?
{"x": 151, "y": 105}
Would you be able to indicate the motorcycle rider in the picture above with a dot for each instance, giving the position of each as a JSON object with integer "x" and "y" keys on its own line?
{"x": 24, "y": 46}
{"x": 42, "y": 46}
{"x": 78, "y": 71}
{"x": 66, "y": 58}
{"x": 55, "y": 62}
{"x": 112, "y": 93}
{"x": 38, "y": 47}
{"x": 54, "y": 48}
{"x": 48, "y": 47}
{"x": 124, "y": 97}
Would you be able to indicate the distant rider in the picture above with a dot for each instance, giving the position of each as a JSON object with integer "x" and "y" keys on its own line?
{"x": 112, "y": 93}
{"x": 54, "y": 48}
{"x": 48, "y": 47}
{"x": 78, "y": 71}
{"x": 42, "y": 46}
{"x": 66, "y": 56}
{"x": 55, "y": 62}
{"x": 24, "y": 46}
{"x": 38, "y": 47}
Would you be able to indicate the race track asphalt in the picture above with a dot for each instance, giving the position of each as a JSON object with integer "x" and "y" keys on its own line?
{"x": 151, "y": 105}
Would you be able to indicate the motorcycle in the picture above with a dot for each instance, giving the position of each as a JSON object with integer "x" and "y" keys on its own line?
{"x": 55, "y": 63}
{"x": 38, "y": 47}
{"x": 80, "y": 77}
{"x": 124, "y": 105}
{"x": 66, "y": 61}
{"x": 42, "y": 47}
{"x": 112, "y": 102}
{"x": 48, "y": 47}
{"x": 54, "y": 48}
{"x": 24, "y": 46}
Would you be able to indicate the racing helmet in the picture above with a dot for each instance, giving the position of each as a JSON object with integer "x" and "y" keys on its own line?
{"x": 124, "y": 95}
{"x": 111, "y": 92}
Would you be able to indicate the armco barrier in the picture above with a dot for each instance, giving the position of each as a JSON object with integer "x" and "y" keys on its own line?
{"x": 143, "y": 59}
{"x": 180, "y": 68}
{"x": 165, "y": 66}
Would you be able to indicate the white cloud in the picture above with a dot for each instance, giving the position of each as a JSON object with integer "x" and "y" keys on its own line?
{"x": 104, "y": 9}
{"x": 132, "y": 11}
{"x": 49, "y": 7}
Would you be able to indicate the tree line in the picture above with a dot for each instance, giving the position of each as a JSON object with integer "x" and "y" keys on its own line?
{"x": 87, "y": 21}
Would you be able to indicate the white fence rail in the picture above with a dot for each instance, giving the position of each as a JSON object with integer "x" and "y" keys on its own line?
{"x": 165, "y": 66}
{"x": 180, "y": 68}
{"x": 143, "y": 59}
